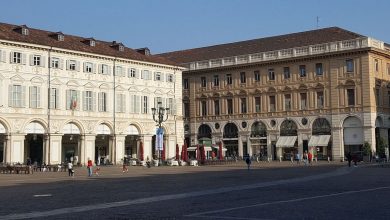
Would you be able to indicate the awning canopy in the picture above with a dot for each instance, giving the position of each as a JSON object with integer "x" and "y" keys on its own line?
{"x": 286, "y": 141}
{"x": 217, "y": 147}
{"x": 194, "y": 148}
{"x": 319, "y": 140}
{"x": 191, "y": 149}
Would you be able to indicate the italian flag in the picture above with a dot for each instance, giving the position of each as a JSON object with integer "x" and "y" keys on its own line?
{"x": 73, "y": 103}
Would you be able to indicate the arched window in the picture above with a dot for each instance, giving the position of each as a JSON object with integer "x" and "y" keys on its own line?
{"x": 321, "y": 126}
{"x": 230, "y": 131}
{"x": 258, "y": 129}
{"x": 288, "y": 128}
{"x": 204, "y": 131}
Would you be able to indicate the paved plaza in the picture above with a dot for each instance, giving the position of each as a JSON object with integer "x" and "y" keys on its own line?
{"x": 267, "y": 191}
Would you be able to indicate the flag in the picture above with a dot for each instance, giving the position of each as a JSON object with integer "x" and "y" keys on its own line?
{"x": 73, "y": 104}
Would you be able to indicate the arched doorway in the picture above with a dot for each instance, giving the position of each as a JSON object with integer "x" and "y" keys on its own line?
{"x": 287, "y": 144}
{"x": 2, "y": 143}
{"x": 259, "y": 139}
{"x": 353, "y": 135}
{"x": 205, "y": 138}
{"x": 34, "y": 140}
{"x": 103, "y": 145}
{"x": 71, "y": 143}
{"x": 319, "y": 143}
{"x": 381, "y": 136}
{"x": 131, "y": 142}
{"x": 230, "y": 140}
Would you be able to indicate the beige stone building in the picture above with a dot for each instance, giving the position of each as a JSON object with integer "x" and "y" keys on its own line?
{"x": 326, "y": 91}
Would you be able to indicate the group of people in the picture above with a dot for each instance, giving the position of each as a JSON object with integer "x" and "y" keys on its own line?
{"x": 307, "y": 158}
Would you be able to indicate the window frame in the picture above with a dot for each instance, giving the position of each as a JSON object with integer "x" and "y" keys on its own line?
{"x": 302, "y": 71}
{"x": 319, "y": 69}
{"x": 271, "y": 74}
{"x": 242, "y": 78}
{"x": 256, "y": 74}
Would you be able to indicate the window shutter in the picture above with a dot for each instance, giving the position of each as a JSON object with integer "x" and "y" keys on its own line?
{"x": 162, "y": 77}
{"x": 77, "y": 66}
{"x": 174, "y": 106}
{"x": 99, "y": 101}
{"x": 100, "y": 68}
{"x": 68, "y": 99}
{"x": 31, "y": 60}
{"x": 94, "y": 68}
{"x": 137, "y": 103}
{"x": 57, "y": 101}
{"x": 24, "y": 59}
{"x": 137, "y": 73}
{"x": 123, "y": 103}
{"x": 84, "y": 101}
{"x": 23, "y": 98}
{"x": 173, "y": 78}
{"x": 10, "y": 97}
{"x": 93, "y": 101}
{"x": 78, "y": 99}
{"x": 31, "y": 97}
{"x": 109, "y": 70}
{"x": 67, "y": 64}
{"x": 117, "y": 103}
{"x": 132, "y": 103}
{"x": 61, "y": 64}
{"x": 11, "y": 55}
{"x": 43, "y": 61}
{"x": 2, "y": 56}
{"x": 38, "y": 97}
{"x": 84, "y": 67}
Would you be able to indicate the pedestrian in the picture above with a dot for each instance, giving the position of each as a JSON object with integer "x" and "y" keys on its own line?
{"x": 248, "y": 162}
{"x": 89, "y": 167}
{"x": 298, "y": 157}
{"x": 310, "y": 157}
{"x": 148, "y": 162}
{"x": 349, "y": 158}
{"x": 70, "y": 169}
{"x": 305, "y": 158}
{"x": 292, "y": 157}
{"x": 354, "y": 159}
{"x": 97, "y": 170}
{"x": 124, "y": 168}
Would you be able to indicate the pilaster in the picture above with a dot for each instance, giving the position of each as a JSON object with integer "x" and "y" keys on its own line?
{"x": 16, "y": 149}
{"x": 120, "y": 148}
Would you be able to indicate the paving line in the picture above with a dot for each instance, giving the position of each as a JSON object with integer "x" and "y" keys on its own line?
{"x": 69, "y": 210}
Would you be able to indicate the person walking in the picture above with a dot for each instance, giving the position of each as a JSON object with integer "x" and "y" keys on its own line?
{"x": 248, "y": 162}
{"x": 70, "y": 169}
{"x": 310, "y": 157}
{"x": 124, "y": 167}
{"x": 292, "y": 157}
{"x": 89, "y": 167}
{"x": 298, "y": 157}
{"x": 349, "y": 158}
{"x": 305, "y": 158}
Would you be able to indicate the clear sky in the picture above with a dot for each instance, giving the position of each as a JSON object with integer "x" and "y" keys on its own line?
{"x": 168, "y": 25}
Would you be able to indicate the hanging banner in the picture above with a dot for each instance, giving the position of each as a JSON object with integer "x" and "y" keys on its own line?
{"x": 159, "y": 138}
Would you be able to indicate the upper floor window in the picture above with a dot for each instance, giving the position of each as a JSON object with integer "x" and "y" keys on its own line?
{"x": 157, "y": 76}
{"x": 229, "y": 106}
{"x": 376, "y": 63}
{"x": 132, "y": 73}
{"x": 120, "y": 103}
{"x": 119, "y": 71}
{"x": 203, "y": 108}
{"x": 88, "y": 67}
{"x": 388, "y": 68}
{"x": 102, "y": 101}
{"x": 186, "y": 109}
{"x": 286, "y": 72}
{"x": 350, "y": 65}
{"x": 229, "y": 79}
{"x": 103, "y": 69}
{"x": 243, "y": 105}
{"x": 144, "y": 104}
{"x": 242, "y": 77}
{"x": 35, "y": 97}
{"x": 257, "y": 104}
{"x": 320, "y": 99}
{"x": 36, "y": 60}
{"x": 287, "y": 102}
{"x": 170, "y": 77}
{"x": 146, "y": 75}
{"x": 135, "y": 103}
{"x": 54, "y": 63}
{"x": 72, "y": 99}
{"x": 16, "y": 95}
{"x": 319, "y": 70}
{"x": 88, "y": 100}
{"x": 54, "y": 97}
{"x": 216, "y": 80}
{"x": 377, "y": 96}
{"x": 16, "y": 57}
{"x": 257, "y": 75}
{"x": 302, "y": 70}
{"x": 203, "y": 81}
{"x": 303, "y": 105}
{"x": 271, "y": 74}
{"x": 351, "y": 97}
{"x": 272, "y": 103}
{"x": 186, "y": 84}
{"x": 216, "y": 107}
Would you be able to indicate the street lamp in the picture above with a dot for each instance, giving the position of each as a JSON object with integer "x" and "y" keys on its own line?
{"x": 160, "y": 111}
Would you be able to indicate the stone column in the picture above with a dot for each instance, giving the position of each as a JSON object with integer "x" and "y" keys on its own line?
{"x": 147, "y": 141}
{"x": 369, "y": 136}
{"x": 111, "y": 148}
{"x": 249, "y": 146}
{"x": 120, "y": 148}
{"x": 88, "y": 149}
{"x": 80, "y": 149}
{"x": 337, "y": 144}
{"x": 240, "y": 148}
{"x": 7, "y": 148}
{"x": 53, "y": 150}
{"x": 16, "y": 149}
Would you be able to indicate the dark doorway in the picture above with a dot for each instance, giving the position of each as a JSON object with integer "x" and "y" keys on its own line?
{"x": 1, "y": 148}
{"x": 35, "y": 148}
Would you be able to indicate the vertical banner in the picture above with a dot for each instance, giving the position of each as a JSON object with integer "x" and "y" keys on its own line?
{"x": 159, "y": 139}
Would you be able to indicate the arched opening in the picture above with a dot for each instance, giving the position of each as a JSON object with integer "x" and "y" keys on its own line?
{"x": 132, "y": 140}
{"x": 71, "y": 143}
{"x": 353, "y": 135}
{"x": 33, "y": 143}
{"x": 2, "y": 143}
{"x": 230, "y": 140}
{"x": 319, "y": 143}
{"x": 259, "y": 139}
{"x": 103, "y": 145}
{"x": 287, "y": 144}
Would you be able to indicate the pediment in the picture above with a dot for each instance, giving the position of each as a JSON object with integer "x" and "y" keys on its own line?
{"x": 158, "y": 92}
{"x": 89, "y": 85}
{"x": 73, "y": 83}
{"x": 37, "y": 80}
{"x": 146, "y": 91}
{"x": 56, "y": 82}
{"x": 17, "y": 78}
{"x": 170, "y": 92}
{"x": 119, "y": 88}
{"x": 104, "y": 86}
{"x": 133, "y": 89}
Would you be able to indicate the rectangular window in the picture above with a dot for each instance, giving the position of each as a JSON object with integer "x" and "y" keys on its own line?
{"x": 257, "y": 75}
{"x": 35, "y": 97}
{"x": 54, "y": 94}
{"x": 216, "y": 107}
{"x": 88, "y": 67}
{"x": 55, "y": 63}
{"x": 102, "y": 101}
{"x": 242, "y": 77}
{"x": 320, "y": 99}
{"x": 303, "y": 101}
{"x": 271, "y": 74}
{"x": 319, "y": 70}
{"x": 158, "y": 102}
{"x": 37, "y": 60}
{"x": 350, "y": 65}
{"x": 351, "y": 97}
{"x": 203, "y": 81}
{"x": 103, "y": 69}
{"x": 171, "y": 106}
{"x": 203, "y": 108}
{"x": 132, "y": 73}
{"x": 16, "y": 57}
{"x": 229, "y": 79}
{"x": 243, "y": 105}
{"x": 88, "y": 101}
{"x": 170, "y": 77}
{"x": 186, "y": 109}
{"x": 16, "y": 95}
{"x": 257, "y": 104}
{"x": 157, "y": 76}
{"x": 216, "y": 80}
{"x": 120, "y": 103}
{"x": 272, "y": 103}
{"x": 286, "y": 72}
{"x": 376, "y": 63}
{"x": 71, "y": 65}
{"x": 287, "y": 102}
{"x": 186, "y": 84}
{"x": 302, "y": 70}
{"x": 72, "y": 99}
{"x": 134, "y": 104}
{"x": 146, "y": 75}
{"x": 144, "y": 104}
{"x": 119, "y": 71}
{"x": 230, "y": 106}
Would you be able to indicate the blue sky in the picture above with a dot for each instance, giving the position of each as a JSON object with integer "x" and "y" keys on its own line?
{"x": 168, "y": 25}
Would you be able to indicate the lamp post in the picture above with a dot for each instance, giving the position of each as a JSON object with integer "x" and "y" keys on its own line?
{"x": 159, "y": 112}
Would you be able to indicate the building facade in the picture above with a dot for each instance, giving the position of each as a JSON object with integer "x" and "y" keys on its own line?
{"x": 65, "y": 97}
{"x": 326, "y": 91}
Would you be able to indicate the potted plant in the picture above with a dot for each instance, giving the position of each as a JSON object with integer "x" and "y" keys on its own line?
{"x": 380, "y": 147}
{"x": 367, "y": 152}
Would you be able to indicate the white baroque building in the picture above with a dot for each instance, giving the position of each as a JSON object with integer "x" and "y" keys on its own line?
{"x": 66, "y": 97}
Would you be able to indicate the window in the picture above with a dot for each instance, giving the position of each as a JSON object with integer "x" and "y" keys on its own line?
{"x": 271, "y": 74}
{"x": 286, "y": 72}
{"x": 320, "y": 99}
{"x": 102, "y": 99}
{"x": 135, "y": 104}
{"x": 72, "y": 99}
{"x": 146, "y": 75}
{"x": 287, "y": 102}
{"x": 144, "y": 104}
{"x": 272, "y": 103}
{"x": 92, "y": 43}
{"x": 55, "y": 63}
{"x": 71, "y": 65}
{"x": 216, "y": 107}
{"x": 120, "y": 103}
{"x": 60, "y": 37}
{"x": 243, "y": 105}
{"x": 257, "y": 104}
{"x": 121, "y": 48}
{"x": 24, "y": 31}
{"x": 186, "y": 109}
{"x": 36, "y": 60}
{"x": 157, "y": 76}
{"x": 242, "y": 77}
{"x": 35, "y": 97}
{"x": 302, "y": 71}
{"x": 103, "y": 69}
{"x": 350, "y": 65}
{"x": 54, "y": 94}
{"x": 88, "y": 101}
{"x": 229, "y": 79}
{"x": 170, "y": 78}
{"x": 303, "y": 101}
{"x": 257, "y": 75}
{"x": 230, "y": 106}
{"x": 203, "y": 106}
{"x": 158, "y": 102}
{"x": 88, "y": 67}
{"x": 16, "y": 95}
{"x": 203, "y": 81}
{"x": 119, "y": 71}
{"x": 216, "y": 80}
{"x": 319, "y": 70}
{"x": 376, "y": 62}
{"x": 186, "y": 84}
{"x": 171, "y": 105}
{"x": 351, "y": 97}
{"x": 132, "y": 73}
{"x": 16, "y": 57}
